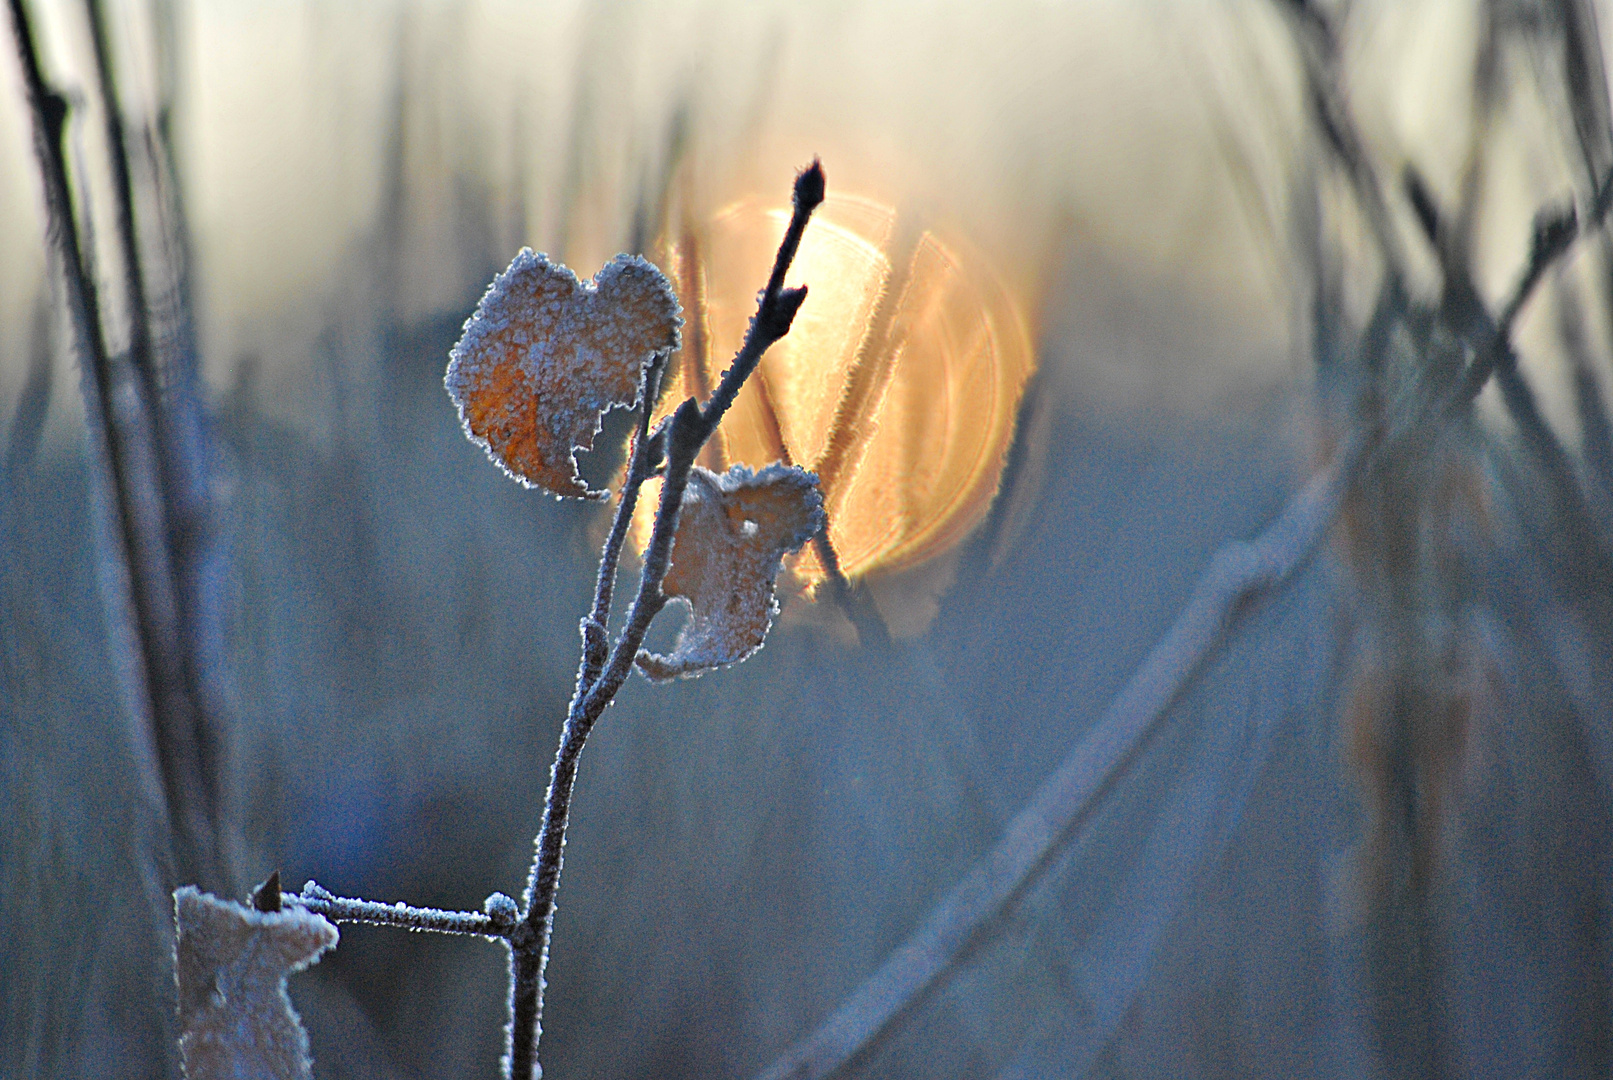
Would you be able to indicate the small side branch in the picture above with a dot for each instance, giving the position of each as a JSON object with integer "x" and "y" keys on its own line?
{"x": 1554, "y": 236}
{"x": 496, "y": 921}
{"x": 963, "y": 919}
{"x": 1494, "y": 356}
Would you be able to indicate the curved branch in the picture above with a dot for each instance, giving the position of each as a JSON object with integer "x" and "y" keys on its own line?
{"x": 964, "y": 919}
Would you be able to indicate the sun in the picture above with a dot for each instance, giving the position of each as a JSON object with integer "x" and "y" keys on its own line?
{"x": 898, "y": 384}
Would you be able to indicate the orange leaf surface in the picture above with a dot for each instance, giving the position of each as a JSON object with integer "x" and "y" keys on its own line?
{"x": 545, "y": 355}
{"x": 733, "y": 531}
{"x": 231, "y": 965}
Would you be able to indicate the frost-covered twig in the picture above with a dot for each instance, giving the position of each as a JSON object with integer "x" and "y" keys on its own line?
{"x": 778, "y": 305}
{"x": 680, "y": 440}
{"x": 964, "y": 918}
{"x": 643, "y": 458}
{"x": 496, "y": 920}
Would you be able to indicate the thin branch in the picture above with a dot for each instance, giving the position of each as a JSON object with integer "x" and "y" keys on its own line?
{"x": 186, "y": 711}
{"x": 1554, "y": 235}
{"x": 134, "y": 281}
{"x": 1317, "y": 41}
{"x": 529, "y": 942}
{"x": 965, "y": 918}
{"x": 643, "y": 458}
{"x": 681, "y": 440}
{"x": 497, "y": 921}
{"x": 778, "y": 305}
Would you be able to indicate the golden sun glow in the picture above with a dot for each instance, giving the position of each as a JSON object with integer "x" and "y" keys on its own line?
{"x": 898, "y": 384}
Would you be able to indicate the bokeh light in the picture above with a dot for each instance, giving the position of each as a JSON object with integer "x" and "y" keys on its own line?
{"x": 898, "y": 384}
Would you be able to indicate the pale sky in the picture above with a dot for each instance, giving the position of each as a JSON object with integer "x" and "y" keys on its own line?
{"x": 1153, "y": 143}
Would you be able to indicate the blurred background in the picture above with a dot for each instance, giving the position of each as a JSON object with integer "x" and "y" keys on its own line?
{"x": 1185, "y": 249}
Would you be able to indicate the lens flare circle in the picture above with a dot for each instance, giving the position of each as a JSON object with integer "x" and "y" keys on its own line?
{"x": 898, "y": 384}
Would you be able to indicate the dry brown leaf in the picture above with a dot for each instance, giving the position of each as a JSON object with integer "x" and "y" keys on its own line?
{"x": 231, "y": 964}
{"x": 733, "y": 532}
{"x": 544, "y": 356}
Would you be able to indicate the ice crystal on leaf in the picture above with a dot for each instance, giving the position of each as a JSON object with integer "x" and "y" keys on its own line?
{"x": 733, "y": 533}
{"x": 231, "y": 964}
{"x": 545, "y": 355}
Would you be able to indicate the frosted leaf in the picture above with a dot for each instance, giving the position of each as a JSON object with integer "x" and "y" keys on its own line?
{"x": 231, "y": 963}
{"x": 545, "y": 355}
{"x": 733, "y": 532}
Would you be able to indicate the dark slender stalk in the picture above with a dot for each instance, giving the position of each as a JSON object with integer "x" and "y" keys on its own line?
{"x": 853, "y": 600}
{"x": 122, "y": 426}
{"x": 193, "y": 742}
{"x": 599, "y": 679}
{"x": 134, "y": 281}
{"x": 186, "y": 437}
{"x": 776, "y": 310}
{"x": 120, "y": 432}
{"x": 1554, "y": 235}
{"x": 1317, "y": 41}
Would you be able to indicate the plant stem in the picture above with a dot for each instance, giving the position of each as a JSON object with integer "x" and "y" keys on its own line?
{"x": 134, "y": 281}
{"x": 341, "y": 909}
{"x": 777, "y": 308}
{"x": 642, "y": 460}
{"x": 186, "y": 711}
{"x": 173, "y": 764}
{"x": 599, "y": 678}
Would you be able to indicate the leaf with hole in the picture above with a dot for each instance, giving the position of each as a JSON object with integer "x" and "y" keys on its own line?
{"x": 545, "y": 355}
{"x": 734, "y": 530}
